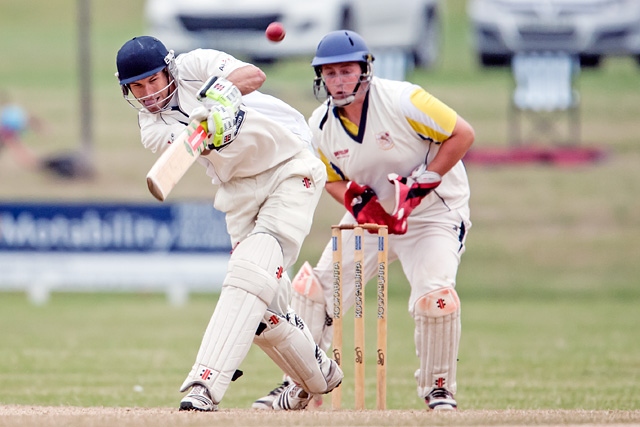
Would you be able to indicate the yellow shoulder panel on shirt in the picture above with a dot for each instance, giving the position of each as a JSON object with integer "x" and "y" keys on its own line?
{"x": 429, "y": 116}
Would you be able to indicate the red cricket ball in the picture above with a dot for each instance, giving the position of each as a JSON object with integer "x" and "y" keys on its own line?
{"x": 275, "y": 32}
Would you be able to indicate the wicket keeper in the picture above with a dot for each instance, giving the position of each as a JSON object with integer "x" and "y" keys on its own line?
{"x": 393, "y": 154}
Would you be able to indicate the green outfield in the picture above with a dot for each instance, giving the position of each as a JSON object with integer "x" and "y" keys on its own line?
{"x": 549, "y": 282}
{"x": 534, "y": 352}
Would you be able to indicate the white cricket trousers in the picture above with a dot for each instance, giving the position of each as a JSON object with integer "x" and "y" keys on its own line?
{"x": 429, "y": 253}
{"x": 281, "y": 202}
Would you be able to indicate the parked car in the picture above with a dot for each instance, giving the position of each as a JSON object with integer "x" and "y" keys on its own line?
{"x": 238, "y": 26}
{"x": 590, "y": 29}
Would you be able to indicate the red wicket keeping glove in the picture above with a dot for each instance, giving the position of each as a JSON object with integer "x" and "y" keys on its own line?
{"x": 412, "y": 189}
{"x": 364, "y": 205}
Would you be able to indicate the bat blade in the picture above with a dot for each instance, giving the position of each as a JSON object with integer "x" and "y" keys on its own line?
{"x": 176, "y": 160}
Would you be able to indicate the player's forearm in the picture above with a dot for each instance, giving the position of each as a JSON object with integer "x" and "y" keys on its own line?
{"x": 247, "y": 78}
{"x": 336, "y": 189}
{"x": 454, "y": 148}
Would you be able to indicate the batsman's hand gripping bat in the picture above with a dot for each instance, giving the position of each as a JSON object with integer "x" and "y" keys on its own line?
{"x": 177, "y": 159}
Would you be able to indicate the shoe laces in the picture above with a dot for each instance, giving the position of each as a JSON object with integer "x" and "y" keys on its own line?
{"x": 200, "y": 389}
{"x": 278, "y": 390}
{"x": 440, "y": 393}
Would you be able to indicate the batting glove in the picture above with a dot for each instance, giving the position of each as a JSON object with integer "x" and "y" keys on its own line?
{"x": 409, "y": 191}
{"x": 221, "y": 124}
{"x": 218, "y": 90}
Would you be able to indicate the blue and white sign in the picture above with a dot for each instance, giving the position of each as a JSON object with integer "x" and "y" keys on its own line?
{"x": 178, "y": 227}
{"x": 177, "y": 248}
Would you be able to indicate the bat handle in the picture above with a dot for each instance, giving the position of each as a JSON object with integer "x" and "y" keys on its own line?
{"x": 202, "y": 94}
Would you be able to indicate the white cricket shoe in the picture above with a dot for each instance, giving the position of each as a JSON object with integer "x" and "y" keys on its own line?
{"x": 292, "y": 398}
{"x": 198, "y": 399}
{"x": 440, "y": 399}
{"x": 266, "y": 402}
{"x": 295, "y": 398}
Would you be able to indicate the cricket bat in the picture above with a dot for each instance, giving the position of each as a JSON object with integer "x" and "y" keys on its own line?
{"x": 171, "y": 166}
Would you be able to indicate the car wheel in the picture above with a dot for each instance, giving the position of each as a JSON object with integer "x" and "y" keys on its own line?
{"x": 426, "y": 51}
{"x": 589, "y": 61}
{"x": 495, "y": 59}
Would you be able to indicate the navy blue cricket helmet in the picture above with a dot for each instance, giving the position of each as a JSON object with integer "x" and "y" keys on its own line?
{"x": 141, "y": 57}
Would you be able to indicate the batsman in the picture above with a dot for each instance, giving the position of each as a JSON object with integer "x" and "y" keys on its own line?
{"x": 269, "y": 183}
{"x": 393, "y": 154}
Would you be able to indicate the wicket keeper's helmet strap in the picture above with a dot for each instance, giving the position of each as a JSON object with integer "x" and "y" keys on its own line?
{"x": 140, "y": 58}
{"x": 341, "y": 46}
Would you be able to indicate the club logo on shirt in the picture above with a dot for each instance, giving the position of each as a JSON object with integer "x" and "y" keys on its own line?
{"x": 384, "y": 140}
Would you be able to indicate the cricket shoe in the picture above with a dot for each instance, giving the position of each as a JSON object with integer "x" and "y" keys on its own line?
{"x": 295, "y": 398}
{"x": 198, "y": 399}
{"x": 440, "y": 399}
{"x": 266, "y": 402}
{"x": 292, "y": 398}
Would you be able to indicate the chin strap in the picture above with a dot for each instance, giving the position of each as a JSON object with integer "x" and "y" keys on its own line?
{"x": 342, "y": 102}
{"x": 348, "y": 100}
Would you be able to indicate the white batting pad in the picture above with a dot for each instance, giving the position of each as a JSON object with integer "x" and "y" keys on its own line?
{"x": 437, "y": 335}
{"x": 250, "y": 284}
{"x": 256, "y": 266}
{"x": 290, "y": 345}
{"x": 308, "y": 302}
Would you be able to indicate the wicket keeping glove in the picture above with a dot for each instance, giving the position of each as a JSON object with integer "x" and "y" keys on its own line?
{"x": 364, "y": 205}
{"x": 409, "y": 191}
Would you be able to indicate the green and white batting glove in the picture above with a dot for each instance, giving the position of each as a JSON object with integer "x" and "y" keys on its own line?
{"x": 221, "y": 123}
{"x": 222, "y": 126}
{"x": 220, "y": 91}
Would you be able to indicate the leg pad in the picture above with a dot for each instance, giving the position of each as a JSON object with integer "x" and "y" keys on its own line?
{"x": 437, "y": 336}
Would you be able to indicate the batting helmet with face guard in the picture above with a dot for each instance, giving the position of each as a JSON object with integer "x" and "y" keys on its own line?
{"x": 341, "y": 46}
{"x": 141, "y": 57}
